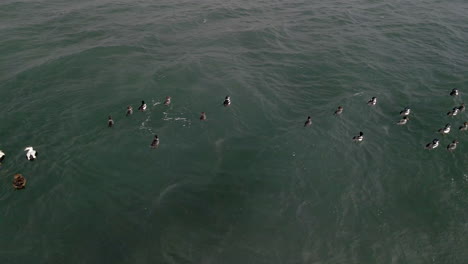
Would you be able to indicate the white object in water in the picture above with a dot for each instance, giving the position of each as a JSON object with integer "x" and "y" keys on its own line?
{"x": 31, "y": 154}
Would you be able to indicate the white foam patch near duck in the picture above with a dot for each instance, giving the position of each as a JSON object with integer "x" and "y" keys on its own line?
{"x": 144, "y": 127}
{"x": 155, "y": 103}
{"x": 185, "y": 121}
{"x": 166, "y": 118}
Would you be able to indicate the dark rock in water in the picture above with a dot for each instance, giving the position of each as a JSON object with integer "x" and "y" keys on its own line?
{"x": 19, "y": 182}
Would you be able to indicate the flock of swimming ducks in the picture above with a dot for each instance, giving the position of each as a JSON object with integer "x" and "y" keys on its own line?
{"x": 405, "y": 118}
{"x": 358, "y": 138}
{"x": 167, "y": 102}
{"x": 447, "y": 128}
{"x": 19, "y": 182}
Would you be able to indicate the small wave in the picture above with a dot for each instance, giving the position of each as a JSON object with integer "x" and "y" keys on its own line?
{"x": 187, "y": 121}
{"x": 155, "y": 103}
{"x": 143, "y": 125}
{"x": 165, "y": 118}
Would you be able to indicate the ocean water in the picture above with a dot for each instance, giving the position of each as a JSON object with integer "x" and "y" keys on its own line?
{"x": 250, "y": 184}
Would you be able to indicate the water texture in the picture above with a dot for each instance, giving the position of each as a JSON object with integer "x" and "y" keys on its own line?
{"x": 250, "y": 184}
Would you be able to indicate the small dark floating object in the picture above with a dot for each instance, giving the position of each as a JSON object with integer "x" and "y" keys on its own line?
{"x": 167, "y": 101}
{"x": 462, "y": 107}
{"x": 454, "y": 92}
{"x": 452, "y": 146}
{"x": 359, "y": 138}
{"x": 129, "y": 110}
{"x": 405, "y": 112}
{"x": 19, "y": 182}
{"x": 142, "y": 106}
{"x": 110, "y": 122}
{"x": 227, "y": 101}
{"x": 464, "y": 127}
{"x": 203, "y": 116}
{"x": 308, "y": 122}
{"x": 403, "y": 121}
{"x": 432, "y": 145}
{"x": 155, "y": 142}
{"x": 339, "y": 111}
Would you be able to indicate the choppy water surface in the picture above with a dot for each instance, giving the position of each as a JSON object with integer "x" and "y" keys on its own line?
{"x": 251, "y": 184}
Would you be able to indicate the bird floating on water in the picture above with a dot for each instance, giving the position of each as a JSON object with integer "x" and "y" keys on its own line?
{"x": 405, "y": 111}
{"x": 454, "y": 92}
{"x": 2, "y": 156}
{"x": 203, "y": 116}
{"x": 464, "y": 127}
{"x": 359, "y": 138}
{"x": 167, "y": 101}
{"x": 31, "y": 154}
{"x": 155, "y": 142}
{"x": 445, "y": 130}
{"x": 227, "y": 101}
{"x": 110, "y": 122}
{"x": 142, "y": 106}
{"x": 129, "y": 110}
{"x": 432, "y": 145}
{"x": 452, "y": 146}
{"x": 372, "y": 101}
{"x": 308, "y": 122}
{"x": 403, "y": 121}
{"x": 454, "y": 112}
{"x": 339, "y": 111}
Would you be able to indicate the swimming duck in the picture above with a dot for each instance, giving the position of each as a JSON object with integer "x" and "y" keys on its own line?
{"x": 308, "y": 122}
{"x": 110, "y": 122}
{"x": 372, "y": 101}
{"x": 462, "y": 107}
{"x": 339, "y": 111}
{"x": 405, "y": 112}
{"x": 454, "y": 92}
{"x": 203, "y": 116}
{"x": 434, "y": 144}
{"x": 227, "y": 101}
{"x": 464, "y": 127}
{"x": 31, "y": 154}
{"x": 129, "y": 110}
{"x": 445, "y": 130}
{"x": 454, "y": 112}
{"x": 452, "y": 146}
{"x": 142, "y": 106}
{"x": 403, "y": 121}
{"x": 155, "y": 142}
{"x": 2, "y": 156}
{"x": 167, "y": 101}
{"x": 19, "y": 182}
{"x": 359, "y": 138}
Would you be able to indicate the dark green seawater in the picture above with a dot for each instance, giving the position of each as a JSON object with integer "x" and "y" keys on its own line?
{"x": 251, "y": 184}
